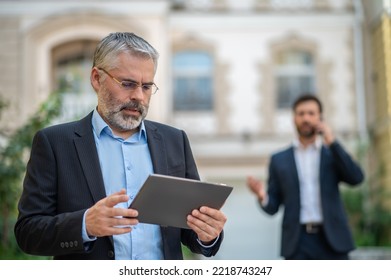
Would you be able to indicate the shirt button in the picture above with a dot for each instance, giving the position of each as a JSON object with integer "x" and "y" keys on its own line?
{"x": 128, "y": 167}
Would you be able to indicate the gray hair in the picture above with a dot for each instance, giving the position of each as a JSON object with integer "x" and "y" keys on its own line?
{"x": 107, "y": 51}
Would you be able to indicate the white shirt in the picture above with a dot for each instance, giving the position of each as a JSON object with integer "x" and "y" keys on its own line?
{"x": 308, "y": 164}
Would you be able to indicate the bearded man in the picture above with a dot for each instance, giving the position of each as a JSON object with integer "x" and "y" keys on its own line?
{"x": 304, "y": 179}
{"x": 82, "y": 176}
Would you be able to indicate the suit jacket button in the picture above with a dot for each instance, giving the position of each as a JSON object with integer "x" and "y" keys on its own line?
{"x": 62, "y": 245}
{"x": 75, "y": 243}
{"x": 66, "y": 244}
{"x": 110, "y": 254}
{"x": 71, "y": 244}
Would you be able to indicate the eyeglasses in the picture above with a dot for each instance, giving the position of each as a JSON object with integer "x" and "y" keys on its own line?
{"x": 148, "y": 88}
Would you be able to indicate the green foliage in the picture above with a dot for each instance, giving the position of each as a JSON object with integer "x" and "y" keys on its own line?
{"x": 366, "y": 206}
{"x": 369, "y": 218}
{"x": 187, "y": 254}
{"x": 11, "y": 250}
{"x": 13, "y": 158}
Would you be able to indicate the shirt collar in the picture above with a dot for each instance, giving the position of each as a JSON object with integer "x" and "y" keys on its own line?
{"x": 317, "y": 144}
{"x": 99, "y": 125}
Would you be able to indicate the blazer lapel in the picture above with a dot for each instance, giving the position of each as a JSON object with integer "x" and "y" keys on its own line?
{"x": 88, "y": 156}
{"x": 157, "y": 149}
{"x": 322, "y": 174}
{"x": 291, "y": 162}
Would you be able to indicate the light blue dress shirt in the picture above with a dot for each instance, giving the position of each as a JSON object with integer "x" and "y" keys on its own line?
{"x": 126, "y": 163}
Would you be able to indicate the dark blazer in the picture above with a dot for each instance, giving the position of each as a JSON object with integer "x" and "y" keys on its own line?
{"x": 283, "y": 189}
{"x": 64, "y": 179}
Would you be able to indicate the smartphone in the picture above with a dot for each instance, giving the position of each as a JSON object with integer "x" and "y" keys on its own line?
{"x": 320, "y": 132}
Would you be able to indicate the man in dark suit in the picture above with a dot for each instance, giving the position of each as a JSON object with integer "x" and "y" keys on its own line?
{"x": 304, "y": 179}
{"x": 82, "y": 176}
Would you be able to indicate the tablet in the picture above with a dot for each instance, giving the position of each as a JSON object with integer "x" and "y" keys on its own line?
{"x": 167, "y": 200}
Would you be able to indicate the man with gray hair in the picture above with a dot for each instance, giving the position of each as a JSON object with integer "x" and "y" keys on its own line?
{"x": 83, "y": 175}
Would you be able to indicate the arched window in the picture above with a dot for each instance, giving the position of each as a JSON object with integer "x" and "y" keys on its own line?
{"x": 72, "y": 64}
{"x": 193, "y": 81}
{"x": 295, "y": 75}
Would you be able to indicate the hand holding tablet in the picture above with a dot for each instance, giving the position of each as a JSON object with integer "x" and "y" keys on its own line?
{"x": 167, "y": 200}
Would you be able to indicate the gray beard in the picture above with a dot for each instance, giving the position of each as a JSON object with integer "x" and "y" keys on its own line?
{"x": 113, "y": 115}
{"x": 122, "y": 122}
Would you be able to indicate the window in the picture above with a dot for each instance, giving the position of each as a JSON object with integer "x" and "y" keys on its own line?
{"x": 294, "y": 76}
{"x": 193, "y": 81}
{"x": 72, "y": 75}
{"x": 72, "y": 64}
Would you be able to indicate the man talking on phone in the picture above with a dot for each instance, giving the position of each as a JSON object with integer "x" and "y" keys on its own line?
{"x": 304, "y": 178}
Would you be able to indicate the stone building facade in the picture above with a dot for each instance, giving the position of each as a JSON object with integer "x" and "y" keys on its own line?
{"x": 228, "y": 72}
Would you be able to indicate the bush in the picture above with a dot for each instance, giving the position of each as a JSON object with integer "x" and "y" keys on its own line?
{"x": 13, "y": 159}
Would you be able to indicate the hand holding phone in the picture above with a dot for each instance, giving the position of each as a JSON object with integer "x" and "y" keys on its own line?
{"x": 325, "y": 130}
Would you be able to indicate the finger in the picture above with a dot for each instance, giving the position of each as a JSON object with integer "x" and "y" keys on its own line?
{"x": 116, "y": 198}
{"x": 204, "y": 232}
{"x": 212, "y": 216}
{"x": 121, "y": 222}
{"x": 124, "y": 212}
{"x": 254, "y": 184}
{"x": 209, "y": 211}
{"x": 115, "y": 231}
{"x": 207, "y": 222}
{"x": 202, "y": 220}
{"x": 111, "y": 226}
{"x": 120, "y": 192}
{"x": 250, "y": 180}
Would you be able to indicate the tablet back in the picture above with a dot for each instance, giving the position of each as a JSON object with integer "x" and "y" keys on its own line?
{"x": 167, "y": 200}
